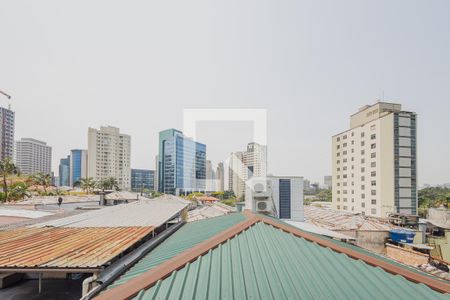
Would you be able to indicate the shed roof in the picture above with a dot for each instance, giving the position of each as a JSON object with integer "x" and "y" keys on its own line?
{"x": 154, "y": 212}
{"x": 264, "y": 258}
{"x": 74, "y": 248}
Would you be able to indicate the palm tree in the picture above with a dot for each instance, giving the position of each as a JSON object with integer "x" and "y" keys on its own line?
{"x": 86, "y": 184}
{"x": 109, "y": 184}
{"x": 7, "y": 168}
{"x": 45, "y": 180}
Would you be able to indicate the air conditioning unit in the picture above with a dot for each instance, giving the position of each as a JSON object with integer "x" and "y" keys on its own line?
{"x": 262, "y": 206}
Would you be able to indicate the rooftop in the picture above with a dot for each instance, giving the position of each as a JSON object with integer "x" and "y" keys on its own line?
{"x": 243, "y": 256}
{"x": 67, "y": 248}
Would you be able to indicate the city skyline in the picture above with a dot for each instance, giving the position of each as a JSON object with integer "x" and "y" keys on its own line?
{"x": 309, "y": 76}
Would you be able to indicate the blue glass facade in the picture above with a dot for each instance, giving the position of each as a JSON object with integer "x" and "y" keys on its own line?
{"x": 142, "y": 179}
{"x": 64, "y": 171}
{"x": 163, "y": 136}
{"x": 285, "y": 199}
{"x": 184, "y": 165}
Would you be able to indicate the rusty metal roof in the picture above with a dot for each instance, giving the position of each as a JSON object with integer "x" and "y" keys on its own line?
{"x": 56, "y": 248}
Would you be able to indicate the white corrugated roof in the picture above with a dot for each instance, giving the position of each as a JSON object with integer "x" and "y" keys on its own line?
{"x": 23, "y": 213}
{"x": 319, "y": 230}
{"x": 152, "y": 212}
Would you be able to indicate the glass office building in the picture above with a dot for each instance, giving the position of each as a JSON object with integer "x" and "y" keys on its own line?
{"x": 163, "y": 136}
{"x": 64, "y": 169}
{"x": 78, "y": 165}
{"x": 142, "y": 180}
{"x": 183, "y": 165}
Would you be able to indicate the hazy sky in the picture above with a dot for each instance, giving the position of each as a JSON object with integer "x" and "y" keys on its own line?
{"x": 137, "y": 64}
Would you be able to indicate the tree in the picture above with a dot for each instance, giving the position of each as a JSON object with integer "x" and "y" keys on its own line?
{"x": 324, "y": 195}
{"x": 7, "y": 168}
{"x": 108, "y": 184}
{"x": 18, "y": 191}
{"x": 45, "y": 180}
{"x": 86, "y": 184}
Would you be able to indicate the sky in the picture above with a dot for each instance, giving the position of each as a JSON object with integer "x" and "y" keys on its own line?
{"x": 137, "y": 65}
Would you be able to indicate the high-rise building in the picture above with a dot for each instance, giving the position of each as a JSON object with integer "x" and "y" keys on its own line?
{"x": 64, "y": 171}
{"x": 142, "y": 180}
{"x": 6, "y": 133}
{"x": 33, "y": 156}
{"x": 210, "y": 177}
{"x": 220, "y": 177}
{"x": 156, "y": 175}
{"x": 182, "y": 163}
{"x": 163, "y": 136}
{"x": 109, "y": 154}
{"x": 375, "y": 162}
{"x": 78, "y": 165}
{"x": 327, "y": 181}
{"x": 245, "y": 165}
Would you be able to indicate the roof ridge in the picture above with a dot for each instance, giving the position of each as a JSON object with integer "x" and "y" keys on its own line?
{"x": 148, "y": 279}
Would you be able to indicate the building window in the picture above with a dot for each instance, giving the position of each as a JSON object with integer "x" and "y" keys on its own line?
{"x": 344, "y": 176}
{"x": 363, "y": 204}
{"x": 363, "y": 169}
{"x": 338, "y": 169}
{"x": 338, "y": 154}
{"x": 363, "y": 187}
{"x": 353, "y": 150}
{"x": 338, "y": 207}
{"x": 353, "y": 134}
{"x": 353, "y": 142}
{"x": 373, "y": 146}
{"x": 339, "y": 199}
{"x": 344, "y": 145}
{"x": 338, "y": 161}
{"x": 338, "y": 184}
{"x": 338, "y": 139}
{"x": 363, "y": 196}
{"x": 373, "y": 183}
{"x": 363, "y": 160}
{"x": 345, "y": 137}
{"x": 373, "y": 164}
{"x": 344, "y": 160}
{"x": 363, "y": 143}
{"x": 374, "y": 202}
{"x": 345, "y": 199}
{"x": 363, "y": 152}
{"x": 373, "y": 211}
{"x": 362, "y": 134}
{"x": 362, "y": 178}
{"x": 344, "y": 153}
{"x": 338, "y": 146}
{"x": 373, "y": 173}
{"x": 373, "y": 154}
{"x": 344, "y": 183}
{"x": 373, "y": 192}
{"x": 372, "y": 127}
{"x": 373, "y": 136}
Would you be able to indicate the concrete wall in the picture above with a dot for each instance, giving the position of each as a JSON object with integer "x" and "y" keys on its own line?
{"x": 370, "y": 240}
{"x": 406, "y": 256}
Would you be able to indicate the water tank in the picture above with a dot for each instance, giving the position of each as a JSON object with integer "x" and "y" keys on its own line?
{"x": 402, "y": 235}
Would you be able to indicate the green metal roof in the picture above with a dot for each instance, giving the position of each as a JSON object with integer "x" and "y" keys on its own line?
{"x": 264, "y": 262}
{"x": 185, "y": 238}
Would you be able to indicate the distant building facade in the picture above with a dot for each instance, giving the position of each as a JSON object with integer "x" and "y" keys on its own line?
{"x": 328, "y": 181}
{"x": 7, "y": 123}
{"x": 220, "y": 177}
{"x": 182, "y": 163}
{"x": 163, "y": 137}
{"x": 210, "y": 177}
{"x": 33, "y": 156}
{"x": 245, "y": 165}
{"x": 279, "y": 196}
{"x": 109, "y": 155}
{"x": 78, "y": 165}
{"x": 64, "y": 172}
{"x": 375, "y": 162}
{"x": 142, "y": 180}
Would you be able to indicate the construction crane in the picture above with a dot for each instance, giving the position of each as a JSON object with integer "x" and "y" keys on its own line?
{"x": 7, "y": 96}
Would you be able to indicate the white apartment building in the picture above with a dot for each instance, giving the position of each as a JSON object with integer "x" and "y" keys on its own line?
{"x": 33, "y": 156}
{"x": 109, "y": 153}
{"x": 374, "y": 163}
{"x": 245, "y": 165}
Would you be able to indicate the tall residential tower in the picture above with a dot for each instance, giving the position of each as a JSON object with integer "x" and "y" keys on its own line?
{"x": 109, "y": 154}
{"x": 6, "y": 133}
{"x": 33, "y": 156}
{"x": 375, "y": 162}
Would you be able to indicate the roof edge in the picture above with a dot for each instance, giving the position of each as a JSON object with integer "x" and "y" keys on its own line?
{"x": 432, "y": 283}
{"x": 145, "y": 281}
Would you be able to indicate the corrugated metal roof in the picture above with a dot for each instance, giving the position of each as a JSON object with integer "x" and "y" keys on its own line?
{"x": 319, "y": 230}
{"x": 185, "y": 238}
{"x": 66, "y": 247}
{"x": 337, "y": 220}
{"x": 154, "y": 212}
{"x": 264, "y": 262}
{"x": 209, "y": 211}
